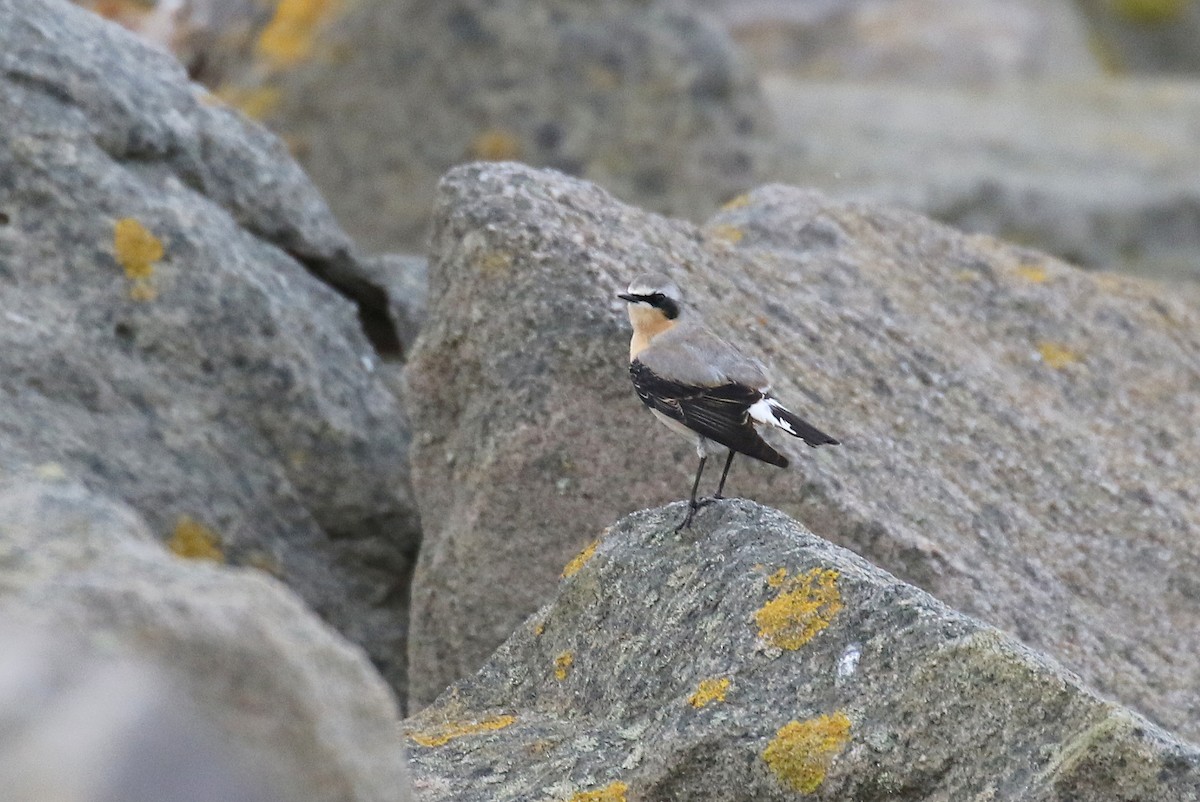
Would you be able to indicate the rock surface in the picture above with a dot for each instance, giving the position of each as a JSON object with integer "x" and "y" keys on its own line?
{"x": 751, "y": 660}
{"x": 278, "y": 698}
{"x": 1018, "y": 435}
{"x": 920, "y": 41}
{"x": 1102, "y": 174}
{"x": 181, "y": 325}
{"x": 1160, "y": 36}
{"x": 645, "y": 98}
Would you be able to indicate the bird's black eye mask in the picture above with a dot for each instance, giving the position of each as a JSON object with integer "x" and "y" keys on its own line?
{"x": 668, "y": 307}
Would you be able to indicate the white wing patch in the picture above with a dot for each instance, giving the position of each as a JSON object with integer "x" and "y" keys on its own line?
{"x": 763, "y": 411}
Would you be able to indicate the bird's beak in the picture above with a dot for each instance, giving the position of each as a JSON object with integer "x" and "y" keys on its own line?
{"x": 633, "y": 299}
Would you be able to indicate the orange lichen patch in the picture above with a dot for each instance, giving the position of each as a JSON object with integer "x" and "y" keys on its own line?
{"x": 726, "y": 232}
{"x": 1150, "y": 12}
{"x": 562, "y": 665}
{"x": 580, "y": 560}
{"x": 495, "y": 145}
{"x": 613, "y": 792}
{"x": 801, "y": 751}
{"x": 539, "y": 629}
{"x": 1035, "y": 274}
{"x": 777, "y": 579}
{"x": 741, "y": 201}
{"x": 445, "y": 733}
{"x": 136, "y": 250}
{"x": 709, "y": 690}
{"x": 288, "y": 38}
{"x": 256, "y": 102}
{"x": 1056, "y": 355}
{"x": 193, "y": 540}
{"x": 802, "y": 609}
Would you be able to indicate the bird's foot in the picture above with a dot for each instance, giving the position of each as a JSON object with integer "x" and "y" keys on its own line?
{"x": 687, "y": 519}
{"x": 704, "y": 502}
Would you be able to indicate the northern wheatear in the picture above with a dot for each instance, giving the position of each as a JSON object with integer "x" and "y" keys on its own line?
{"x": 701, "y": 386}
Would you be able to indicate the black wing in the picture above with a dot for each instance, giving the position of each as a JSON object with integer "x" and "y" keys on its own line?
{"x": 719, "y": 413}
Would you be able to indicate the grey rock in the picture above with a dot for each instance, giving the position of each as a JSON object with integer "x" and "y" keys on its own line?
{"x": 1103, "y": 174}
{"x": 1017, "y": 435}
{"x": 181, "y": 324}
{"x": 1145, "y": 36}
{"x": 83, "y": 725}
{"x": 921, "y": 41}
{"x": 186, "y": 661}
{"x": 646, "y": 98}
{"x": 749, "y": 659}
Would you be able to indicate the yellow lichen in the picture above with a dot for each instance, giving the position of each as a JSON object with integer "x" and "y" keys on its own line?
{"x": 1150, "y": 12}
{"x": 495, "y": 145}
{"x": 136, "y": 250}
{"x": 562, "y": 665}
{"x": 288, "y": 38}
{"x": 726, "y": 232}
{"x": 580, "y": 560}
{"x": 801, "y": 751}
{"x": 777, "y": 579}
{"x": 1056, "y": 355}
{"x": 495, "y": 263}
{"x": 709, "y": 690}
{"x": 256, "y": 102}
{"x": 739, "y": 202}
{"x": 445, "y": 733}
{"x": 1035, "y": 274}
{"x": 193, "y": 540}
{"x": 539, "y": 629}
{"x": 613, "y": 792}
{"x": 802, "y": 609}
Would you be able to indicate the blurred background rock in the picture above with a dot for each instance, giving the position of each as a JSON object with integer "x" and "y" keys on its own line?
{"x": 1073, "y": 127}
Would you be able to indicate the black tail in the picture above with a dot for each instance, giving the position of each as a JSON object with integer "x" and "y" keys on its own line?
{"x": 803, "y": 429}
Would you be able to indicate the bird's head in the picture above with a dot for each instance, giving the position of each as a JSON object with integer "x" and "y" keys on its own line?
{"x": 653, "y": 301}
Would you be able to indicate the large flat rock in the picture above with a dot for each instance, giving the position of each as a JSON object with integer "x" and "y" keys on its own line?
{"x": 181, "y": 325}
{"x": 1018, "y": 435}
{"x": 751, "y": 660}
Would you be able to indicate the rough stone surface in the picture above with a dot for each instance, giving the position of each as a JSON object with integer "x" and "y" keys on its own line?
{"x": 171, "y": 333}
{"x": 294, "y": 704}
{"x": 751, "y": 660}
{"x": 1102, "y": 174}
{"x": 1018, "y": 435}
{"x": 923, "y": 41}
{"x": 646, "y": 98}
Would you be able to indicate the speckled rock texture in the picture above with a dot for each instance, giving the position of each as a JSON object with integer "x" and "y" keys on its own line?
{"x": 180, "y": 324}
{"x": 1103, "y": 174}
{"x": 1018, "y": 436}
{"x": 646, "y": 98}
{"x": 274, "y": 695}
{"x": 919, "y": 41}
{"x": 748, "y": 659}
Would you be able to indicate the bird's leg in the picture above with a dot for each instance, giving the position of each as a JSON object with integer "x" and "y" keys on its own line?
{"x": 704, "y": 502}
{"x": 692, "y": 505}
{"x": 724, "y": 473}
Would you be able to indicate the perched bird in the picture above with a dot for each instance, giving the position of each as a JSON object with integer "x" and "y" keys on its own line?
{"x": 701, "y": 386}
